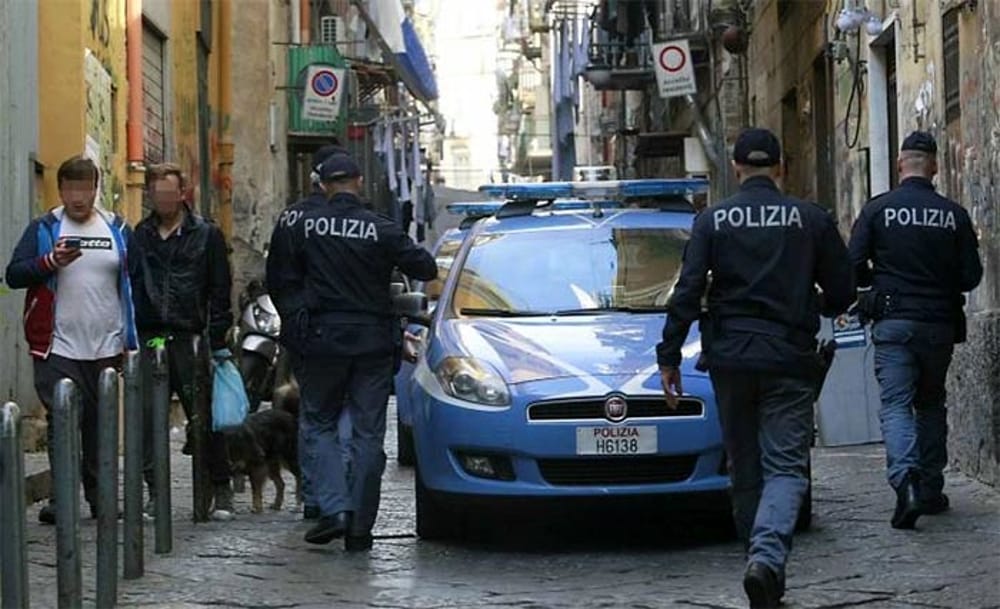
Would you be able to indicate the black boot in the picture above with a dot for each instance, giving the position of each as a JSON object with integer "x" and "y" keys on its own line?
{"x": 358, "y": 542}
{"x": 329, "y": 528}
{"x": 762, "y": 587}
{"x": 935, "y": 505}
{"x": 907, "y": 503}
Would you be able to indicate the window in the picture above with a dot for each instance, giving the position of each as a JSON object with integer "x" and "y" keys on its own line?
{"x": 154, "y": 124}
{"x": 952, "y": 95}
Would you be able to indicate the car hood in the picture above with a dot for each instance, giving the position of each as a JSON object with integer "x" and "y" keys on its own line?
{"x": 539, "y": 348}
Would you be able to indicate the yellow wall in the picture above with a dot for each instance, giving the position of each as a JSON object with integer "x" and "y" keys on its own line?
{"x": 67, "y": 29}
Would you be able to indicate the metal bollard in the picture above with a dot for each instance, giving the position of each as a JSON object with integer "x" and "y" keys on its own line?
{"x": 13, "y": 554}
{"x": 133, "y": 566}
{"x": 161, "y": 452}
{"x": 107, "y": 489}
{"x": 201, "y": 485}
{"x": 66, "y": 492}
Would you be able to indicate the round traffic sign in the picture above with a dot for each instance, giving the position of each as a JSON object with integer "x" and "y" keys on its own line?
{"x": 672, "y": 58}
{"x": 324, "y": 83}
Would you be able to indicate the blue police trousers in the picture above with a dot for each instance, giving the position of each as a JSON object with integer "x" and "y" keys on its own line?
{"x": 344, "y": 429}
{"x": 767, "y": 426}
{"x": 911, "y": 363}
{"x": 325, "y": 385}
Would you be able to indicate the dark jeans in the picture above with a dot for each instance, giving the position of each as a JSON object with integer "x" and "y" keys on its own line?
{"x": 326, "y": 383}
{"x": 85, "y": 374}
{"x": 767, "y": 426}
{"x": 181, "y": 363}
{"x": 911, "y": 364}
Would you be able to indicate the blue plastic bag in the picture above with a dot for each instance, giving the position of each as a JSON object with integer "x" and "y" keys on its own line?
{"x": 229, "y": 398}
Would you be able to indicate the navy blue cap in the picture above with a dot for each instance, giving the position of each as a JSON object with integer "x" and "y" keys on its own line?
{"x": 326, "y": 152}
{"x": 757, "y": 147}
{"x": 339, "y": 167}
{"x": 921, "y": 141}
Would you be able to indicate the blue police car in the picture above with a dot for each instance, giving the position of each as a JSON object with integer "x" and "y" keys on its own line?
{"x": 538, "y": 374}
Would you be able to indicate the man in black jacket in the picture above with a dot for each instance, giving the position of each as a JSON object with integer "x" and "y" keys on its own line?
{"x": 182, "y": 286}
{"x": 343, "y": 256}
{"x": 766, "y": 254}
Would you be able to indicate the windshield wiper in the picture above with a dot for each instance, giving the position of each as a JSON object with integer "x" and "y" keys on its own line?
{"x": 503, "y": 312}
{"x": 613, "y": 309}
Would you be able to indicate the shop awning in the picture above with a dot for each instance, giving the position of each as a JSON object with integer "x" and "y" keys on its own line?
{"x": 418, "y": 73}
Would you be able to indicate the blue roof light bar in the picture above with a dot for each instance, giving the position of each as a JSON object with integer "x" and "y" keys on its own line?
{"x": 610, "y": 189}
{"x": 489, "y": 208}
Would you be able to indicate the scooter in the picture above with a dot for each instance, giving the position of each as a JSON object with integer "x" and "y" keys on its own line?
{"x": 260, "y": 355}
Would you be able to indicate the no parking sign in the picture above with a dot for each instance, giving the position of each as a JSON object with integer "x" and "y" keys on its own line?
{"x": 674, "y": 68}
{"x": 323, "y": 92}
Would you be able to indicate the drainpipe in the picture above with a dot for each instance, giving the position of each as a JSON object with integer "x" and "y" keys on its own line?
{"x": 135, "y": 178}
{"x": 296, "y": 22}
{"x": 225, "y": 159}
{"x": 304, "y": 23}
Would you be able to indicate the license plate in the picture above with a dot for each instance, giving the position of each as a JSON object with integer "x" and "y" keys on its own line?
{"x": 640, "y": 440}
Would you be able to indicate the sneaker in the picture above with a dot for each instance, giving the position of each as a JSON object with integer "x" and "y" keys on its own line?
{"x": 47, "y": 515}
{"x": 223, "y": 506}
{"x": 761, "y": 586}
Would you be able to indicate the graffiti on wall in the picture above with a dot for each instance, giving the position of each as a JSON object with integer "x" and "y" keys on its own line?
{"x": 99, "y": 124}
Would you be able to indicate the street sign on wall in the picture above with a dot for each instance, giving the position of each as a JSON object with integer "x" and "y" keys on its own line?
{"x": 324, "y": 89}
{"x": 674, "y": 68}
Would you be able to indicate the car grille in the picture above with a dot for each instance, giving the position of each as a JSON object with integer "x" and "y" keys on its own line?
{"x": 617, "y": 470}
{"x": 638, "y": 408}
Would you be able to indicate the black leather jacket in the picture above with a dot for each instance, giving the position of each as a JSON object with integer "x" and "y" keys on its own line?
{"x": 182, "y": 283}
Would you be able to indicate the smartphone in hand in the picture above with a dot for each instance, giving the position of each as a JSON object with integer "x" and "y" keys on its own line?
{"x": 72, "y": 243}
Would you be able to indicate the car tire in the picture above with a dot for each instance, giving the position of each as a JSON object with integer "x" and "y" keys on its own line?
{"x": 404, "y": 444}
{"x": 804, "y": 520}
{"x": 434, "y": 520}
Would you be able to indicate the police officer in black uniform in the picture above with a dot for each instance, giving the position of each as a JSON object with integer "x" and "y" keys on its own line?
{"x": 915, "y": 253}
{"x": 343, "y": 256}
{"x": 286, "y": 295}
{"x": 766, "y": 253}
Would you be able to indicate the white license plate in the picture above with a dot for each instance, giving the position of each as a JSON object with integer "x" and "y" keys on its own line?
{"x": 640, "y": 440}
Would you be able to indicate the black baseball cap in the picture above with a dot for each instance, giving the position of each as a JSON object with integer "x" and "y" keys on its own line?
{"x": 757, "y": 147}
{"x": 339, "y": 167}
{"x": 325, "y": 152}
{"x": 921, "y": 141}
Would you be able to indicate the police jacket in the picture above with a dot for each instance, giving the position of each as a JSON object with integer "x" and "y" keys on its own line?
{"x": 918, "y": 248}
{"x": 182, "y": 283}
{"x": 285, "y": 293}
{"x": 766, "y": 253}
{"x": 343, "y": 255}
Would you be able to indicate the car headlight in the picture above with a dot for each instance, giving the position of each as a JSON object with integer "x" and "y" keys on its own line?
{"x": 469, "y": 379}
{"x": 266, "y": 322}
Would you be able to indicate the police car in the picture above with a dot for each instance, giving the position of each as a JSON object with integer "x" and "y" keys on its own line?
{"x": 538, "y": 375}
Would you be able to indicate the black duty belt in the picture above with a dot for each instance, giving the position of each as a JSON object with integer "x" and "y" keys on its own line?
{"x": 767, "y": 327}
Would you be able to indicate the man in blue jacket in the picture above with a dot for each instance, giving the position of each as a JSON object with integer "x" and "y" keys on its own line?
{"x": 78, "y": 309}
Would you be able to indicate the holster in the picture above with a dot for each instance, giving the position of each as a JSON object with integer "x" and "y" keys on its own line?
{"x": 874, "y": 305}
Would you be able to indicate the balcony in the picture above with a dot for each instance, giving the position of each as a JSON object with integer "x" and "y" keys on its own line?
{"x": 300, "y": 57}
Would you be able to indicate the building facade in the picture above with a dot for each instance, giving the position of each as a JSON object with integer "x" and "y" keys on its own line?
{"x": 842, "y": 100}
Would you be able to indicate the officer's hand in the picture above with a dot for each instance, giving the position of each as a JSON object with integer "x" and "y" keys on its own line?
{"x": 672, "y": 389}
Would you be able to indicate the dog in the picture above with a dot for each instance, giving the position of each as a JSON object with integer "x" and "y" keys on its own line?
{"x": 286, "y": 397}
{"x": 266, "y": 442}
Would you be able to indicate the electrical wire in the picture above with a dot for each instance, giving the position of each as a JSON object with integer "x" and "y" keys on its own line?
{"x": 857, "y": 92}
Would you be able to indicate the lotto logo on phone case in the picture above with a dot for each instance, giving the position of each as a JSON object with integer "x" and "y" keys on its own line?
{"x": 89, "y": 243}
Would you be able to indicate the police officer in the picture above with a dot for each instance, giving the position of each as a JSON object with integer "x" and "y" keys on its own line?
{"x": 766, "y": 253}
{"x": 343, "y": 256}
{"x": 915, "y": 253}
{"x": 285, "y": 294}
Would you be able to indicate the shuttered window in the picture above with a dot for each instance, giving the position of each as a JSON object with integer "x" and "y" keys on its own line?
{"x": 154, "y": 122}
{"x": 952, "y": 88}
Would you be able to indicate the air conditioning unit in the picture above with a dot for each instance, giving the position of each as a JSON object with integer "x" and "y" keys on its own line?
{"x": 332, "y": 30}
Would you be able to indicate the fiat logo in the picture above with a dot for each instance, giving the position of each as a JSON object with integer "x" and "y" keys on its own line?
{"x": 615, "y": 409}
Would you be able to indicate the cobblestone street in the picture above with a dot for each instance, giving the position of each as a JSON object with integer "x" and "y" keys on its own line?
{"x": 850, "y": 558}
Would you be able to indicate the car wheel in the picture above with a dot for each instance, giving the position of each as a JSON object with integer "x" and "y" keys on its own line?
{"x": 434, "y": 520}
{"x": 804, "y": 520}
{"x": 404, "y": 443}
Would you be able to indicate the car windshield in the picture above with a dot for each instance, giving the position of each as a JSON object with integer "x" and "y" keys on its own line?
{"x": 570, "y": 271}
{"x": 444, "y": 257}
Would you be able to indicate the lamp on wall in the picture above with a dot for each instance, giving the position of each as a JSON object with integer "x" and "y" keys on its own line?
{"x": 850, "y": 20}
